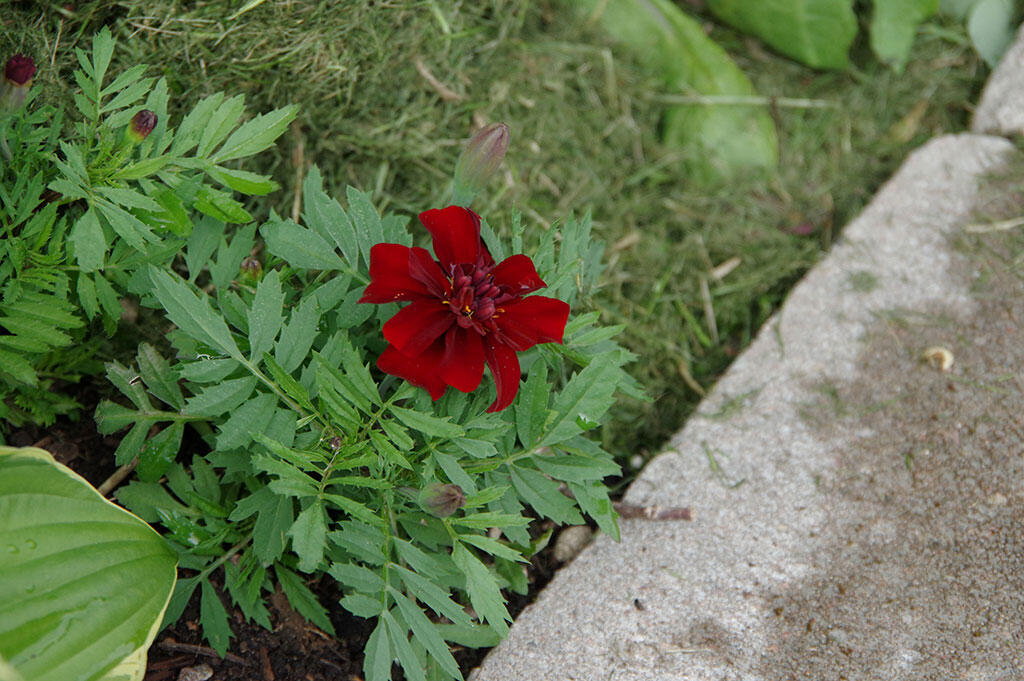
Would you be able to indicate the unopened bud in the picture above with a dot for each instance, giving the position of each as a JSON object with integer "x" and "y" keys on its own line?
{"x": 441, "y": 500}
{"x": 252, "y": 271}
{"x": 18, "y": 73}
{"x": 480, "y": 161}
{"x": 141, "y": 125}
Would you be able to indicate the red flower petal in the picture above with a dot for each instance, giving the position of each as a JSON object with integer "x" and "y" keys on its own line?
{"x": 417, "y": 325}
{"x": 462, "y": 366}
{"x": 421, "y": 370}
{"x": 532, "y": 320}
{"x": 456, "y": 234}
{"x": 401, "y": 273}
{"x": 504, "y": 366}
{"x": 517, "y": 275}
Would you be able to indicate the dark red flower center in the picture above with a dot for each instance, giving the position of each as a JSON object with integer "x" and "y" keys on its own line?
{"x": 19, "y": 69}
{"x": 474, "y": 298}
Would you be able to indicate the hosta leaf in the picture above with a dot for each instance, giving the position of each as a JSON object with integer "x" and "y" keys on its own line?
{"x": 74, "y": 553}
{"x": 817, "y": 33}
{"x": 893, "y": 27}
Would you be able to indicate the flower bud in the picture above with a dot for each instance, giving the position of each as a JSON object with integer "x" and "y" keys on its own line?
{"x": 252, "y": 271}
{"x": 441, "y": 500}
{"x": 17, "y": 80}
{"x": 480, "y": 161}
{"x": 141, "y": 125}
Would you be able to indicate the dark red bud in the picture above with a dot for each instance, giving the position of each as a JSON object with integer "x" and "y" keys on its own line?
{"x": 19, "y": 69}
{"x": 142, "y": 124}
{"x": 441, "y": 500}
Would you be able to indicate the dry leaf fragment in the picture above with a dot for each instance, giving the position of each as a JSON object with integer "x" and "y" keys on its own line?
{"x": 938, "y": 357}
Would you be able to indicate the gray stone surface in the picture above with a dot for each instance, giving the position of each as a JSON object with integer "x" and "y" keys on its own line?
{"x": 1001, "y": 109}
{"x": 859, "y": 514}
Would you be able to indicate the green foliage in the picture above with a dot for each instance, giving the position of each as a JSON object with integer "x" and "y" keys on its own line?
{"x": 992, "y": 25}
{"x": 893, "y": 27}
{"x": 85, "y": 211}
{"x": 722, "y": 142}
{"x": 316, "y": 463}
{"x": 817, "y": 33}
{"x": 85, "y": 583}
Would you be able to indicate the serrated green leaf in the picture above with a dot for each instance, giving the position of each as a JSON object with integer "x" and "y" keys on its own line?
{"x": 325, "y": 216}
{"x": 300, "y": 247}
{"x": 531, "y": 407}
{"x": 357, "y": 577}
{"x": 291, "y": 387}
{"x": 159, "y": 377}
{"x": 255, "y": 135}
{"x": 159, "y": 452}
{"x": 127, "y": 382}
{"x": 213, "y": 618}
{"x": 360, "y": 540}
{"x": 302, "y": 599}
{"x": 246, "y": 591}
{"x": 195, "y": 124}
{"x": 354, "y": 509}
{"x": 399, "y": 638}
{"x": 378, "y": 657}
{"x": 426, "y": 634}
{"x": 297, "y": 335}
{"x": 135, "y": 232}
{"x": 88, "y": 241}
{"x": 572, "y": 468}
{"x": 361, "y": 606}
{"x": 433, "y": 595}
{"x": 192, "y": 313}
{"x": 427, "y": 425}
{"x": 543, "y": 494}
{"x": 243, "y": 181}
{"x": 220, "y": 398}
{"x": 251, "y": 417}
{"x": 451, "y": 467}
{"x": 484, "y": 594}
{"x": 222, "y": 121}
{"x": 272, "y": 524}
{"x": 493, "y": 547}
{"x": 309, "y": 536}
{"x": 265, "y": 315}
{"x": 87, "y": 295}
{"x": 110, "y": 416}
{"x": 109, "y": 299}
{"x": 588, "y": 395}
{"x": 142, "y": 168}
{"x": 290, "y": 479}
{"x": 489, "y": 519}
{"x": 365, "y": 220}
{"x": 220, "y": 206}
{"x": 593, "y": 498}
{"x": 131, "y": 444}
{"x": 129, "y": 198}
{"x": 229, "y": 257}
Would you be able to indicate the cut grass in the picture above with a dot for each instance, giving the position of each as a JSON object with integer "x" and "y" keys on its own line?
{"x": 390, "y": 90}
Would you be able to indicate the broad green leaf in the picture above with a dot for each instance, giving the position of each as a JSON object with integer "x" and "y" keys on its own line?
{"x": 68, "y": 550}
{"x": 893, "y": 27}
{"x": 543, "y": 494}
{"x": 300, "y": 247}
{"x": 958, "y": 9}
{"x": 309, "y": 536}
{"x": 265, "y": 315}
{"x": 471, "y": 635}
{"x": 721, "y": 141}
{"x": 89, "y": 242}
{"x": 325, "y": 216}
{"x": 302, "y": 599}
{"x": 192, "y": 313}
{"x": 426, "y": 633}
{"x": 484, "y": 594}
{"x": 991, "y": 25}
{"x": 213, "y": 618}
{"x": 817, "y": 33}
{"x": 377, "y": 655}
{"x": 255, "y": 135}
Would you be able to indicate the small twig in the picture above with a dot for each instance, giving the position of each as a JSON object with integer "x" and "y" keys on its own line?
{"x": 709, "y": 309}
{"x": 117, "y": 477}
{"x": 446, "y": 93}
{"x": 298, "y": 160}
{"x": 175, "y": 647}
{"x": 653, "y": 512}
{"x": 745, "y": 100}
{"x": 1001, "y": 226}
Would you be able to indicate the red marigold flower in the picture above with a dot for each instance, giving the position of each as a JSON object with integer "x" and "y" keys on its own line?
{"x": 465, "y": 310}
{"x": 19, "y": 69}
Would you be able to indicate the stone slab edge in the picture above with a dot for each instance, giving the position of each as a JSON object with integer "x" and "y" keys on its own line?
{"x": 1001, "y": 109}
{"x": 628, "y": 611}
